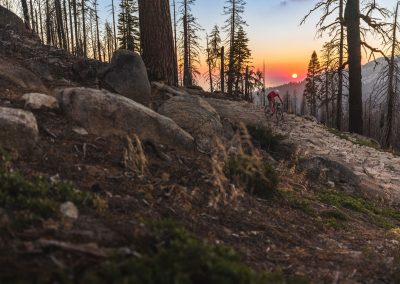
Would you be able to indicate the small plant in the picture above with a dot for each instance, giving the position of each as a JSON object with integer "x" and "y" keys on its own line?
{"x": 264, "y": 137}
{"x": 254, "y": 174}
{"x": 29, "y": 202}
{"x": 379, "y": 215}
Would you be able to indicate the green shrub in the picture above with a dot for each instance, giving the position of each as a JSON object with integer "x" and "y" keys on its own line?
{"x": 264, "y": 137}
{"x": 258, "y": 177}
{"x": 29, "y": 202}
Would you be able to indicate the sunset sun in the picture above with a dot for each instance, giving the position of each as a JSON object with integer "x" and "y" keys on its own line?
{"x": 294, "y": 76}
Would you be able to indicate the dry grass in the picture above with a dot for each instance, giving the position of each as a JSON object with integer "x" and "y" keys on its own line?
{"x": 134, "y": 157}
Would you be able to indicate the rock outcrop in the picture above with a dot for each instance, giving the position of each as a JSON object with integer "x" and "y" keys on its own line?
{"x": 197, "y": 117}
{"x": 127, "y": 76}
{"x": 103, "y": 113}
{"x": 326, "y": 170}
{"x": 18, "y": 129}
{"x": 20, "y": 77}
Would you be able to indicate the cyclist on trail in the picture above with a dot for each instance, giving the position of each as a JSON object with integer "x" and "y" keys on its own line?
{"x": 271, "y": 100}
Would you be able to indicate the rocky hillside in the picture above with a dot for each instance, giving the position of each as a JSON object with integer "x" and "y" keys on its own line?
{"x": 108, "y": 178}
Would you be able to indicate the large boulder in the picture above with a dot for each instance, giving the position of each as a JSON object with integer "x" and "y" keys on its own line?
{"x": 20, "y": 77}
{"x": 127, "y": 76}
{"x": 18, "y": 129}
{"x": 103, "y": 113}
{"x": 197, "y": 117}
{"x": 39, "y": 101}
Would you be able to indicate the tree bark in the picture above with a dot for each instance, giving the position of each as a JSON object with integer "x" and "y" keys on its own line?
{"x": 391, "y": 83}
{"x": 222, "y": 70}
{"x": 340, "y": 71}
{"x": 352, "y": 19}
{"x": 187, "y": 76}
{"x": 157, "y": 40}
{"x": 71, "y": 27}
{"x": 232, "y": 51}
{"x": 26, "y": 13}
{"x": 97, "y": 29}
{"x": 84, "y": 29}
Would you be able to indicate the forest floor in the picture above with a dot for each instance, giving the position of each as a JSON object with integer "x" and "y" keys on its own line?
{"x": 307, "y": 230}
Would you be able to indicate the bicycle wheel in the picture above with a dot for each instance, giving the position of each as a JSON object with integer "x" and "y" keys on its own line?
{"x": 279, "y": 115}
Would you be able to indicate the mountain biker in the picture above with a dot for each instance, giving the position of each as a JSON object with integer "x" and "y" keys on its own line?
{"x": 271, "y": 100}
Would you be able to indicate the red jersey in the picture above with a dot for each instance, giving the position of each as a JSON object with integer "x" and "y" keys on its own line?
{"x": 272, "y": 95}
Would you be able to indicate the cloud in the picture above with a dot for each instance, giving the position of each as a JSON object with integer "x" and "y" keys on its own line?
{"x": 286, "y": 2}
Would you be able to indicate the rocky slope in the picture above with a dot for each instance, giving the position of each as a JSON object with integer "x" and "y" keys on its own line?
{"x": 92, "y": 183}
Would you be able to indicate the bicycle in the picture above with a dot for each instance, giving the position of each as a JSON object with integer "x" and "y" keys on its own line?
{"x": 278, "y": 112}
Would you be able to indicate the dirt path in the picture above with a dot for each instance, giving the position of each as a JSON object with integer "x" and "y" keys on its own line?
{"x": 379, "y": 171}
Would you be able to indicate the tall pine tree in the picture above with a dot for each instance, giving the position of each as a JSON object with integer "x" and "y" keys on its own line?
{"x": 128, "y": 26}
{"x": 313, "y": 82}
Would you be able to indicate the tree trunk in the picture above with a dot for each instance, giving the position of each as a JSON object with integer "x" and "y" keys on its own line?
{"x": 175, "y": 41}
{"x": 231, "y": 51}
{"x": 340, "y": 70}
{"x": 66, "y": 25}
{"x": 41, "y": 22}
{"x": 114, "y": 29}
{"x": 222, "y": 74}
{"x": 157, "y": 40}
{"x": 26, "y": 13}
{"x": 84, "y": 29}
{"x": 391, "y": 83}
{"x": 76, "y": 26}
{"x": 32, "y": 16}
{"x": 48, "y": 26}
{"x": 187, "y": 76}
{"x": 60, "y": 25}
{"x": 246, "y": 85}
{"x": 71, "y": 27}
{"x": 209, "y": 66}
{"x": 97, "y": 29}
{"x": 352, "y": 18}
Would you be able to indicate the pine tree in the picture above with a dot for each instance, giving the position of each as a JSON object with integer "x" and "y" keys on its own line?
{"x": 213, "y": 57}
{"x": 189, "y": 43}
{"x": 234, "y": 10}
{"x": 128, "y": 26}
{"x": 242, "y": 56}
{"x": 313, "y": 82}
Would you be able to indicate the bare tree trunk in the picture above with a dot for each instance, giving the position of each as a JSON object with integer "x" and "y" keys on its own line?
{"x": 60, "y": 26}
{"x": 391, "y": 82}
{"x": 71, "y": 27}
{"x": 352, "y": 18}
{"x": 76, "y": 26}
{"x": 32, "y": 16}
{"x": 175, "y": 41}
{"x": 340, "y": 70}
{"x": 114, "y": 29}
{"x": 222, "y": 75}
{"x": 187, "y": 76}
{"x": 327, "y": 97}
{"x": 84, "y": 29}
{"x": 232, "y": 50}
{"x": 246, "y": 85}
{"x": 97, "y": 29}
{"x": 48, "y": 27}
{"x": 209, "y": 66}
{"x": 41, "y": 22}
{"x": 66, "y": 25}
{"x": 26, "y": 13}
{"x": 157, "y": 40}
